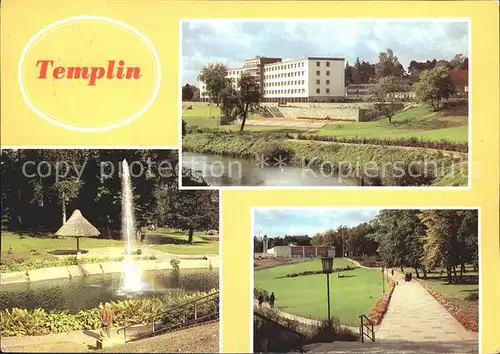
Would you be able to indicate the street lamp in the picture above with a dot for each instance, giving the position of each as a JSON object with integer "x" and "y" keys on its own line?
{"x": 327, "y": 264}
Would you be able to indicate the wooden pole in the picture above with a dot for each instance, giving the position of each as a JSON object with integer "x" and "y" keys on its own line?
{"x": 77, "y": 244}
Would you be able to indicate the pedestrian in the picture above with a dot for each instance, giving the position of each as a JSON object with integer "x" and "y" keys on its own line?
{"x": 271, "y": 300}
{"x": 261, "y": 299}
{"x": 106, "y": 320}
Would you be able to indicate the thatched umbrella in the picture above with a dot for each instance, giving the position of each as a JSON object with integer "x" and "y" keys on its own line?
{"x": 77, "y": 226}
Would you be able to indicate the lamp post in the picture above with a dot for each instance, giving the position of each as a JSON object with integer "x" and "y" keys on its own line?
{"x": 327, "y": 264}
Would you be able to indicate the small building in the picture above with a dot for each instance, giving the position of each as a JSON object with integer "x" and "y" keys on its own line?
{"x": 302, "y": 251}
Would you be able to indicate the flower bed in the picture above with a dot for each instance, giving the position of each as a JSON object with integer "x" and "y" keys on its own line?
{"x": 23, "y": 322}
{"x": 314, "y": 272}
{"x": 378, "y": 312}
{"x": 470, "y": 323}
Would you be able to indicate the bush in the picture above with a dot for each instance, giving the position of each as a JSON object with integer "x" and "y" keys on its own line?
{"x": 175, "y": 263}
{"x": 276, "y": 151}
{"x": 31, "y": 264}
{"x": 22, "y": 322}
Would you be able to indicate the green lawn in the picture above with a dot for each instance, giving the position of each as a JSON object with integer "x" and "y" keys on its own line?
{"x": 351, "y": 296}
{"x": 418, "y": 122}
{"x": 176, "y": 242}
{"x": 24, "y": 243}
{"x": 23, "y": 246}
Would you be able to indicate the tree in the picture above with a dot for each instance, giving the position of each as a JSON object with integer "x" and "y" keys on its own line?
{"x": 385, "y": 93}
{"x": 188, "y": 92}
{"x": 67, "y": 191}
{"x": 435, "y": 85}
{"x": 400, "y": 236}
{"x": 460, "y": 61}
{"x": 214, "y": 76}
{"x": 389, "y": 65}
{"x": 193, "y": 210}
{"x": 363, "y": 72}
{"x": 348, "y": 74}
{"x": 442, "y": 249}
{"x": 239, "y": 103}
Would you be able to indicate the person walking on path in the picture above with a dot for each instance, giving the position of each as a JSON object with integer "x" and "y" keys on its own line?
{"x": 107, "y": 320}
{"x": 271, "y": 300}
{"x": 260, "y": 299}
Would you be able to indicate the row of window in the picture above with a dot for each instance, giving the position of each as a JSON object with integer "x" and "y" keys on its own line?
{"x": 318, "y": 63}
{"x": 284, "y": 83}
{"x": 284, "y": 66}
{"x": 295, "y": 82}
{"x": 291, "y": 66}
{"x": 292, "y": 91}
{"x": 282, "y": 92}
{"x": 295, "y": 73}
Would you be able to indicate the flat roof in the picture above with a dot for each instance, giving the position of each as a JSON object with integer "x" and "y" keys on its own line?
{"x": 325, "y": 58}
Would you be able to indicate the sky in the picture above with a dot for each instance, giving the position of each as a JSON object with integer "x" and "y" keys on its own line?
{"x": 278, "y": 222}
{"x": 232, "y": 41}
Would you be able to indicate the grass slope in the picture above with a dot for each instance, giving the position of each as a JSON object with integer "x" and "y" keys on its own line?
{"x": 305, "y": 296}
{"x": 249, "y": 145}
{"x": 416, "y": 122}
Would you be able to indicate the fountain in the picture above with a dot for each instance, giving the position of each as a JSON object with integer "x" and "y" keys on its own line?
{"x": 131, "y": 278}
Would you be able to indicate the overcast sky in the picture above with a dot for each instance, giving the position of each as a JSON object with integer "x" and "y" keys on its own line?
{"x": 283, "y": 221}
{"x": 232, "y": 41}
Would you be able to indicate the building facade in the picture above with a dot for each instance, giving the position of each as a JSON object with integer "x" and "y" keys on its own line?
{"x": 312, "y": 79}
{"x": 301, "y": 251}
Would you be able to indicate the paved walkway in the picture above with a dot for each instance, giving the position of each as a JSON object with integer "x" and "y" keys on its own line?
{"x": 414, "y": 315}
{"x": 75, "y": 340}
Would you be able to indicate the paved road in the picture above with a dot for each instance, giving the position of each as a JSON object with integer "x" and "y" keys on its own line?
{"x": 414, "y": 315}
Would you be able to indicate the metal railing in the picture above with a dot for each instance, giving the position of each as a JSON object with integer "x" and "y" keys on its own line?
{"x": 366, "y": 329}
{"x": 178, "y": 311}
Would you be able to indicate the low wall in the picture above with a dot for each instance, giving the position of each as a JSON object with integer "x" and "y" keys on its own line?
{"x": 349, "y": 114}
{"x": 99, "y": 268}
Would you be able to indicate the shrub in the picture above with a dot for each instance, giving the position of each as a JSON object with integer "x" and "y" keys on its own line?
{"x": 22, "y": 322}
{"x": 175, "y": 264}
{"x": 31, "y": 264}
{"x": 276, "y": 151}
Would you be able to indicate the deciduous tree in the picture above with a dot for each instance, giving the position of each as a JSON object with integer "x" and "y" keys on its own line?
{"x": 435, "y": 86}
{"x": 214, "y": 76}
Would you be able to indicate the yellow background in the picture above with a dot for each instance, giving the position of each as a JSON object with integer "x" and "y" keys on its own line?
{"x": 159, "y": 126}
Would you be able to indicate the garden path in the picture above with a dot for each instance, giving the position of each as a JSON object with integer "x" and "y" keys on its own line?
{"x": 414, "y": 315}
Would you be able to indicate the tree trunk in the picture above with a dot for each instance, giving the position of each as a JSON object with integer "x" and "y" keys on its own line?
{"x": 390, "y": 119}
{"x": 455, "y": 274}
{"x": 190, "y": 236}
{"x": 462, "y": 270}
{"x": 63, "y": 205}
{"x": 401, "y": 268}
{"x": 244, "y": 118}
{"x": 448, "y": 272}
{"x": 107, "y": 229}
{"x": 416, "y": 272}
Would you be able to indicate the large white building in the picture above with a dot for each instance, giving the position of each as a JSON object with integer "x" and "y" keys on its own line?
{"x": 312, "y": 79}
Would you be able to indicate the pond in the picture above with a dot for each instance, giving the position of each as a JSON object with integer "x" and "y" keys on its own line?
{"x": 87, "y": 292}
{"x": 220, "y": 170}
